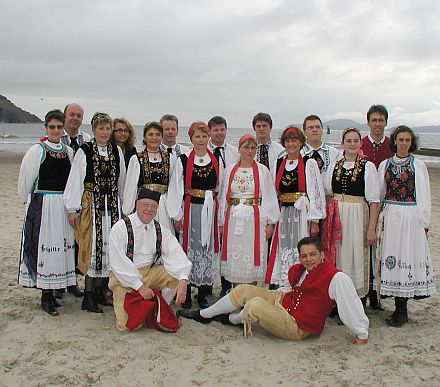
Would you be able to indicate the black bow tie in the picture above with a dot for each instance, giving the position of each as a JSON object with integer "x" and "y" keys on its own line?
{"x": 218, "y": 155}
{"x": 74, "y": 144}
{"x": 170, "y": 150}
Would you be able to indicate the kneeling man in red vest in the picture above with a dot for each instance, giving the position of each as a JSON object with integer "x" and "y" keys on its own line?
{"x": 316, "y": 287}
{"x": 144, "y": 258}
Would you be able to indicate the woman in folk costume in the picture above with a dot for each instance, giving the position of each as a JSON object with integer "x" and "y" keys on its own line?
{"x": 93, "y": 188}
{"x": 353, "y": 183}
{"x": 150, "y": 169}
{"x": 47, "y": 258}
{"x": 402, "y": 256}
{"x": 248, "y": 213}
{"x": 302, "y": 201}
{"x": 195, "y": 180}
{"x": 124, "y": 137}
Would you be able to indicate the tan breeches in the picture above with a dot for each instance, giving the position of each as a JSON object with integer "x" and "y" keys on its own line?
{"x": 264, "y": 307}
{"x": 156, "y": 278}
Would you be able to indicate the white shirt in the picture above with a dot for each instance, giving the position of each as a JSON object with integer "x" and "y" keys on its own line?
{"x": 328, "y": 153}
{"x": 177, "y": 149}
{"x": 229, "y": 153}
{"x": 126, "y": 271}
{"x": 350, "y": 309}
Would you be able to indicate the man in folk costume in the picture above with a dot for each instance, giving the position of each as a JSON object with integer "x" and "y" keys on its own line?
{"x": 145, "y": 257}
{"x": 195, "y": 183}
{"x": 302, "y": 202}
{"x": 226, "y": 154}
{"x": 314, "y": 148}
{"x": 376, "y": 148}
{"x": 316, "y": 287}
{"x": 268, "y": 151}
{"x": 170, "y": 127}
{"x": 248, "y": 213}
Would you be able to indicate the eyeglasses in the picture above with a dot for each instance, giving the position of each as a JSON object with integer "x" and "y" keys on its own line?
{"x": 55, "y": 126}
{"x": 120, "y": 130}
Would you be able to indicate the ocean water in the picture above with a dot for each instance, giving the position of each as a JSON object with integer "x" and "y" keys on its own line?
{"x": 18, "y": 138}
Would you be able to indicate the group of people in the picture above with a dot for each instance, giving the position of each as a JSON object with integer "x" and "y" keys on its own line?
{"x": 298, "y": 216}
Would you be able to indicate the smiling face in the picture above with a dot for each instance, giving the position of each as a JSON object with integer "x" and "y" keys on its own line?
{"x": 120, "y": 133}
{"x": 218, "y": 134}
{"x": 170, "y": 131}
{"x": 377, "y": 123}
{"x": 293, "y": 146}
{"x": 351, "y": 143}
{"x": 73, "y": 117}
{"x": 146, "y": 210}
{"x": 310, "y": 257}
{"x": 102, "y": 133}
{"x": 152, "y": 139}
{"x": 403, "y": 143}
{"x": 54, "y": 130}
{"x": 313, "y": 132}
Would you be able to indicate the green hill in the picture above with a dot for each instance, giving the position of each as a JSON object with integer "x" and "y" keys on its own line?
{"x": 13, "y": 114}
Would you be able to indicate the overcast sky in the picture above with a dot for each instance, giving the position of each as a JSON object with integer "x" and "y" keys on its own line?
{"x": 141, "y": 59}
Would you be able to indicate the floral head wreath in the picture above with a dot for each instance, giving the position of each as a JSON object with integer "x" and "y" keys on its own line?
{"x": 196, "y": 125}
{"x": 100, "y": 117}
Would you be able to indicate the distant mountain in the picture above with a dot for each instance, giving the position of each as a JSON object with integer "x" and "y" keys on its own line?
{"x": 13, "y": 114}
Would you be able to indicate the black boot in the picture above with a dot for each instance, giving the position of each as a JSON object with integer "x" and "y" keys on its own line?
{"x": 202, "y": 292}
{"x": 74, "y": 290}
{"x": 47, "y": 302}
{"x": 374, "y": 301}
{"x": 100, "y": 297}
{"x": 89, "y": 303}
{"x": 188, "y": 303}
{"x": 58, "y": 293}
{"x": 226, "y": 286}
{"x": 400, "y": 315}
{"x": 56, "y": 304}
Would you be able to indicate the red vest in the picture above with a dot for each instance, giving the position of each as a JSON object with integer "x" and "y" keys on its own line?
{"x": 376, "y": 155}
{"x": 309, "y": 303}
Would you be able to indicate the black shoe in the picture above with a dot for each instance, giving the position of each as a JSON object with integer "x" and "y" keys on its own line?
{"x": 400, "y": 315}
{"x": 223, "y": 319}
{"x": 193, "y": 315}
{"x": 186, "y": 305}
{"x": 47, "y": 304}
{"x": 101, "y": 298}
{"x": 58, "y": 293}
{"x": 396, "y": 320}
{"x": 374, "y": 301}
{"x": 74, "y": 290}
{"x": 89, "y": 303}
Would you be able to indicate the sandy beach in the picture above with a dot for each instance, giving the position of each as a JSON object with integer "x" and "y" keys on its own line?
{"x": 79, "y": 348}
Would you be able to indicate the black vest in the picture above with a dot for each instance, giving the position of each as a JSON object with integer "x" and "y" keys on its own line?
{"x": 54, "y": 170}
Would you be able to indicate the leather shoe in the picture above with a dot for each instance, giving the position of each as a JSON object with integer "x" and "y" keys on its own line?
{"x": 193, "y": 315}
{"x": 74, "y": 290}
{"x": 396, "y": 320}
{"x": 223, "y": 319}
{"x": 89, "y": 303}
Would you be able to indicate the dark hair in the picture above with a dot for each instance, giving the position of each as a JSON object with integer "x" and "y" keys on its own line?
{"x": 309, "y": 241}
{"x": 217, "y": 120}
{"x": 403, "y": 129}
{"x": 154, "y": 125}
{"x": 312, "y": 117}
{"x": 55, "y": 114}
{"x": 169, "y": 117}
{"x": 377, "y": 109}
{"x": 262, "y": 117}
{"x": 286, "y": 134}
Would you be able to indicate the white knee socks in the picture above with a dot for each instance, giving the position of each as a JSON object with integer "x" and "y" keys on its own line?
{"x": 222, "y": 306}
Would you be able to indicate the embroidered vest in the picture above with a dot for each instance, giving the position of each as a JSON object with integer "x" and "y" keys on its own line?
{"x": 309, "y": 303}
{"x": 130, "y": 242}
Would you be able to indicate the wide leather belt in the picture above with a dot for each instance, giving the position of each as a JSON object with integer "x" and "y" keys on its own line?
{"x": 289, "y": 197}
{"x": 247, "y": 202}
{"x": 198, "y": 193}
{"x": 161, "y": 188}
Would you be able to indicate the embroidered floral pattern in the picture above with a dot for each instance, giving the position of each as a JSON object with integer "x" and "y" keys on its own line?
{"x": 155, "y": 173}
{"x": 400, "y": 181}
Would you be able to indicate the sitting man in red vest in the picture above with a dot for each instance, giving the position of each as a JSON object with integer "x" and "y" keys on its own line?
{"x": 316, "y": 286}
{"x": 145, "y": 256}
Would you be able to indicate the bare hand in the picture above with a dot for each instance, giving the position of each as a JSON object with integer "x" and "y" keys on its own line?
{"x": 314, "y": 229}
{"x": 180, "y": 292}
{"x": 146, "y": 292}
{"x": 73, "y": 220}
{"x": 269, "y": 231}
{"x": 371, "y": 237}
{"x": 177, "y": 225}
{"x": 356, "y": 340}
